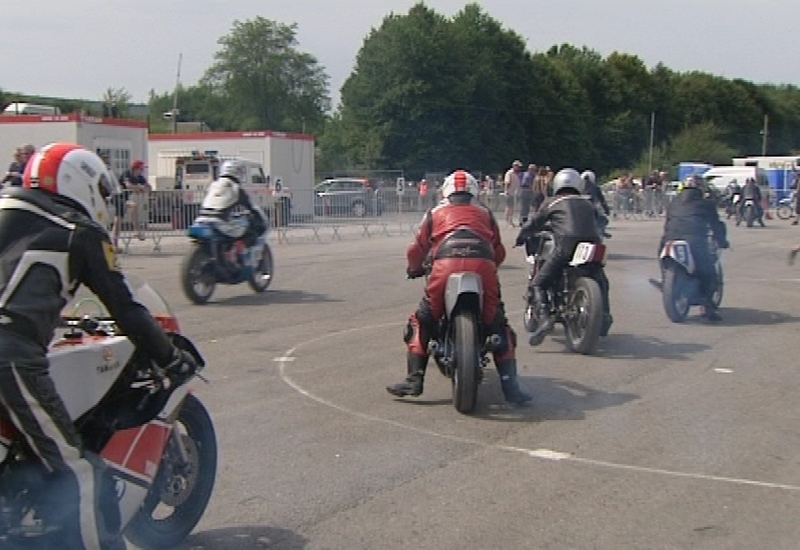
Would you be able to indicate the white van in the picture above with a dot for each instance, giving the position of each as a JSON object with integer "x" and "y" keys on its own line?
{"x": 721, "y": 176}
{"x": 15, "y": 109}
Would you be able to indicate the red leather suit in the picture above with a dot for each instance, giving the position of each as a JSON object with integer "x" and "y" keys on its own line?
{"x": 439, "y": 235}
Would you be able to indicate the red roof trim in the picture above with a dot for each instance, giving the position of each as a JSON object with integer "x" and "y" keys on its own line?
{"x": 72, "y": 117}
{"x": 229, "y": 135}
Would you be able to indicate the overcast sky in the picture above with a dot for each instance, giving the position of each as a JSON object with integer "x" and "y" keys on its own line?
{"x": 79, "y": 48}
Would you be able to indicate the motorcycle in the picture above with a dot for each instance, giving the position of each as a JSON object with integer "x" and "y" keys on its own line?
{"x": 749, "y": 211}
{"x": 680, "y": 287}
{"x": 577, "y": 301}
{"x": 218, "y": 258}
{"x": 460, "y": 348}
{"x": 732, "y": 207}
{"x": 156, "y": 437}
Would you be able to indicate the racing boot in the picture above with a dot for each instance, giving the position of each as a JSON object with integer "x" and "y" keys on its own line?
{"x": 507, "y": 369}
{"x": 545, "y": 321}
{"x": 412, "y": 385}
{"x": 710, "y": 311}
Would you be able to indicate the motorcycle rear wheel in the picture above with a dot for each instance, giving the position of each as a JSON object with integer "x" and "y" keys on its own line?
{"x": 585, "y": 320}
{"x": 675, "y": 296}
{"x": 185, "y": 488}
{"x": 467, "y": 359}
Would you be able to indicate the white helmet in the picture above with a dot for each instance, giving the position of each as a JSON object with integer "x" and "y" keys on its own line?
{"x": 235, "y": 170}
{"x": 460, "y": 181}
{"x": 70, "y": 171}
{"x": 588, "y": 176}
{"x": 568, "y": 178}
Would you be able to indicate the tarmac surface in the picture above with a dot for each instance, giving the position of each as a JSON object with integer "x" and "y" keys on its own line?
{"x": 673, "y": 436}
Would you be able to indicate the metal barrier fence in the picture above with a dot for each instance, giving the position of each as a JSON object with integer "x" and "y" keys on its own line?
{"x": 329, "y": 216}
{"x": 296, "y": 216}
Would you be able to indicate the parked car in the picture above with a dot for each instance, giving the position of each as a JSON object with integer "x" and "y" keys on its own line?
{"x": 347, "y": 197}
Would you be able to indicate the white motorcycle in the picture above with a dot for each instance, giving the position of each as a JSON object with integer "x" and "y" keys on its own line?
{"x": 156, "y": 438}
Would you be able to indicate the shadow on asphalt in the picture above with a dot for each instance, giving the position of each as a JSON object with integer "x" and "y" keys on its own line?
{"x": 244, "y": 538}
{"x": 274, "y": 297}
{"x": 637, "y": 346}
{"x": 616, "y": 257}
{"x": 553, "y": 399}
{"x": 743, "y": 316}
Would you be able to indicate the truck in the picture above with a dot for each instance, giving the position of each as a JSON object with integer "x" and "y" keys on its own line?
{"x": 188, "y": 173}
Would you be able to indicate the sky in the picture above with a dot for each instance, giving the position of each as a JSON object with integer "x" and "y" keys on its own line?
{"x": 80, "y": 48}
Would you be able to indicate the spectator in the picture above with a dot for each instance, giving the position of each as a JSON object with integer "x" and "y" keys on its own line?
{"x": 511, "y": 189}
{"x": 14, "y": 174}
{"x": 539, "y": 189}
{"x": 526, "y": 193}
{"x": 651, "y": 185}
{"x": 137, "y": 189}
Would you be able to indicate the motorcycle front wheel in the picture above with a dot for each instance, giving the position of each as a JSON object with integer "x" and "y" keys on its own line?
{"x": 197, "y": 275}
{"x": 468, "y": 362}
{"x": 585, "y": 316}
{"x": 716, "y": 298}
{"x": 262, "y": 275}
{"x": 785, "y": 212}
{"x": 181, "y": 490}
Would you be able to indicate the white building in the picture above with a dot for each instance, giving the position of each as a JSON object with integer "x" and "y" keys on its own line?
{"x": 288, "y": 159}
{"x": 768, "y": 163}
{"x": 123, "y": 140}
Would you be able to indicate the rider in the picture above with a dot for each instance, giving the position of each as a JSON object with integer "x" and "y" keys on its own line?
{"x": 751, "y": 191}
{"x": 572, "y": 220}
{"x": 592, "y": 190}
{"x": 53, "y": 237}
{"x": 459, "y": 234}
{"x": 733, "y": 190}
{"x": 225, "y": 194}
{"x": 690, "y": 216}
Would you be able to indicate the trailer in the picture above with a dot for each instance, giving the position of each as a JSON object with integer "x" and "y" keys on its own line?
{"x": 122, "y": 140}
{"x": 287, "y": 160}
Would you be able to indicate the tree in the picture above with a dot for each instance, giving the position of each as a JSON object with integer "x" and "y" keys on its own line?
{"x": 116, "y": 102}
{"x": 266, "y": 80}
{"x": 701, "y": 143}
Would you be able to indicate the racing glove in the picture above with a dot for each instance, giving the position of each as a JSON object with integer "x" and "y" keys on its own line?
{"x": 182, "y": 365}
{"x": 415, "y": 273}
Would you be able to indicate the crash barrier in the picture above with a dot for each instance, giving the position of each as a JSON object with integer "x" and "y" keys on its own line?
{"x": 294, "y": 215}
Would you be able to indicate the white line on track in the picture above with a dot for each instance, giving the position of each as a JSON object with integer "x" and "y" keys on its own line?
{"x": 540, "y": 454}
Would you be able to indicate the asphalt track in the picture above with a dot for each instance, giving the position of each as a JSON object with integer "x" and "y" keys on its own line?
{"x": 673, "y": 436}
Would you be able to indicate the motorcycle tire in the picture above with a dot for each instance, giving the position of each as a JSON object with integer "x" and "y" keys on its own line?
{"x": 194, "y": 272}
{"x": 716, "y": 298}
{"x": 750, "y": 216}
{"x": 674, "y": 295}
{"x": 584, "y": 321}
{"x": 261, "y": 277}
{"x": 195, "y": 483}
{"x": 467, "y": 362}
{"x": 785, "y": 212}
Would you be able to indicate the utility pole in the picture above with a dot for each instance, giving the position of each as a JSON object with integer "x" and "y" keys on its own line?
{"x": 175, "y": 97}
{"x": 764, "y": 133}
{"x": 652, "y": 136}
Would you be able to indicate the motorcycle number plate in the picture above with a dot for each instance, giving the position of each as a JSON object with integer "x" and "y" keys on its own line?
{"x": 681, "y": 253}
{"x": 584, "y": 252}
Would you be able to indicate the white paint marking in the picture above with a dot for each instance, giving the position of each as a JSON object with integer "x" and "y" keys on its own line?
{"x": 538, "y": 454}
{"x": 283, "y": 359}
{"x": 723, "y": 371}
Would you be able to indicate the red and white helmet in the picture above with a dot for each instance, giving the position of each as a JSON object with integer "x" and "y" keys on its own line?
{"x": 69, "y": 170}
{"x": 460, "y": 181}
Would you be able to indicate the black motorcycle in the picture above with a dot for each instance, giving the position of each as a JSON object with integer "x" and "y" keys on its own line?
{"x": 577, "y": 301}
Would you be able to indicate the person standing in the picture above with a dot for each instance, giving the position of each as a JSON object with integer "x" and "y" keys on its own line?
{"x": 511, "y": 184}
{"x": 526, "y": 193}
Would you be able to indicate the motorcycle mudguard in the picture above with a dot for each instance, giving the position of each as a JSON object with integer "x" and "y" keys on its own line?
{"x": 681, "y": 253}
{"x": 459, "y": 284}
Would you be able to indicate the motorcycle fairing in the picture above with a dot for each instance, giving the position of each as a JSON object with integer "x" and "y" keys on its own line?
{"x": 681, "y": 253}
{"x": 459, "y": 284}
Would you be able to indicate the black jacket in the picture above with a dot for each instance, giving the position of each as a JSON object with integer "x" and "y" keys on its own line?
{"x": 690, "y": 217}
{"x": 571, "y": 218}
{"x": 596, "y": 196}
{"x": 751, "y": 191}
{"x": 47, "y": 249}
